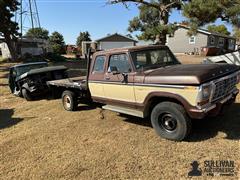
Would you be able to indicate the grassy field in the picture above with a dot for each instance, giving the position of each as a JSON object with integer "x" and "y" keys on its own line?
{"x": 39, "y": 140}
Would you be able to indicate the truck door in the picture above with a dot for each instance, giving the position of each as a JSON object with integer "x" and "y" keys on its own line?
{"x": 119, "y": 77}
{"x": 96, "y": 77}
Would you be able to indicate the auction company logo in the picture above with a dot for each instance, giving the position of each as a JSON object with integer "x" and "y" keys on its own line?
{"x": 213, "y": 168}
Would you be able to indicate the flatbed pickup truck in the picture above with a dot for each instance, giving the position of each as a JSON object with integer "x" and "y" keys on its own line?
{"x": 148, "y": 81}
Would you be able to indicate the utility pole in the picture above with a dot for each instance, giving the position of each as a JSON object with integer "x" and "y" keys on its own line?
{"x": 27, "y": 16}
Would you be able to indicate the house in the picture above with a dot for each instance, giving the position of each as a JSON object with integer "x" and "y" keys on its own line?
{"x": 204, "y": 42}
{"x": 115, "y": 41}
{"x": 72, "y": 49}
{"x": 26, "y": 45}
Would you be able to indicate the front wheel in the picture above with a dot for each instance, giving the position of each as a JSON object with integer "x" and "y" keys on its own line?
{"x": 69, "y": 101}
{"x": 170, "y": 121}
{"x": 27, "y": 95}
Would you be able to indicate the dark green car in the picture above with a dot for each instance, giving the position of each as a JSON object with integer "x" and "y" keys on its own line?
{"x": 29, "y": 80}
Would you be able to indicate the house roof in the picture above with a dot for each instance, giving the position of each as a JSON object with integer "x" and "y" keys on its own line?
{"x": 116, "y": 38}
{"x": 130, "y": 49}
{"x": 204, "y": 31}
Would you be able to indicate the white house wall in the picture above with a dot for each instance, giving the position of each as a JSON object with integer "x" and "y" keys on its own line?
{"x": 111, "y": 45}
{"x": 5, "y": 51}
{"x": 32, "y": 51}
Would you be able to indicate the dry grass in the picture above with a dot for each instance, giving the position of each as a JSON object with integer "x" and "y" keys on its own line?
{"x": 39, "y": 140}
{"x": 190, "y": 59}
{"x": 1, "y": 58}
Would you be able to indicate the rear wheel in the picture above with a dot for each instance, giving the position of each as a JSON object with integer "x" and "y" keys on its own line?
{"x": 69, "y": 101}
{"x": 170, "y": 121}
{"x": 27, "y": 95}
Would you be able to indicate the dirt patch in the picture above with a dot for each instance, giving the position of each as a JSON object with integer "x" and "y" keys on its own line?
{"x": 190, "y": 59}
{"x": 39, "y": 140}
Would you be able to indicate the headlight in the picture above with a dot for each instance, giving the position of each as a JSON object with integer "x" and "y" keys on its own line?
{"x": 205, "y": 92}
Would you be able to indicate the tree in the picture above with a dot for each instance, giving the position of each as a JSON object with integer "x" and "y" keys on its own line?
{"x": 8, "y": 28}
{"x": 83, "y": 36}
{"x": 236, "y": 33}
{"x": 40, "y": 33}
{"x": 153, "y": 18}
{"x": 57, "y": 42}
{"x": 221, "y": 29}
{"x": 202, "y": 12}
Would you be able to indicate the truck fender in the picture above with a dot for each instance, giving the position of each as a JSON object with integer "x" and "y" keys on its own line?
{"x": 165, "y": 96}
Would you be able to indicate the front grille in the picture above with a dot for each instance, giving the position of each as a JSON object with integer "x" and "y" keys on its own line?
{"x": 224, "y": 87}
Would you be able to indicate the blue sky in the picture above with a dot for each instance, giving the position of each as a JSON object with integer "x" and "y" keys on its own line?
{"x": 69, "y": 17}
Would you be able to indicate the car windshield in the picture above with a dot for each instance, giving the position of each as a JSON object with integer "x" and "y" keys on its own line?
{"x": 23, "y": 69}
{"x": 154, "y": 58}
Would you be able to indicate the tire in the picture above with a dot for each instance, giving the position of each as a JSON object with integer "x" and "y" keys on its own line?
{"x": 26, "y": 94}
{"x": 69, "y": 101}
{"x": 171, "y": 121}
{"x": 17, "y": 93}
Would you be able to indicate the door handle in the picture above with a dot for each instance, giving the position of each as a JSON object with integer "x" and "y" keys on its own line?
{"x": 107, "y": 78}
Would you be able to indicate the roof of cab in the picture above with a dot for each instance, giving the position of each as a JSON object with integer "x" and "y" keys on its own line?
{"x": 129, "y": 49}
{"x": 29, "y": 64}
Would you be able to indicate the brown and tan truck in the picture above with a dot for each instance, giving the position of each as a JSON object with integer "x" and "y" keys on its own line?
{"x": 149, "y": 81}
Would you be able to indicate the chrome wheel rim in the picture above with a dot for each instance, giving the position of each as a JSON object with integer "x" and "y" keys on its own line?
{"x": 66, "y": 102}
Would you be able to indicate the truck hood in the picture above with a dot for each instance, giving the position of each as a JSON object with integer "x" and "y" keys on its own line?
{"x": 42, "y": 70}
{"x": 188, "y": 74}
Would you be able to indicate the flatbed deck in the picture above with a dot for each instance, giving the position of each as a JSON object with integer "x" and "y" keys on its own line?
{"x": 75, "y": 83}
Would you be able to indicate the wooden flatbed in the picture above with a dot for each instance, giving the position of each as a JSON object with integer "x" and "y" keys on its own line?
{"x": 72, "y": 83}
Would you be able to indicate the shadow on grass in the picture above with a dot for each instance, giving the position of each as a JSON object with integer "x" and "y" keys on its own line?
{"x": 228, "y": 123}
{"x": 6, "y": 119}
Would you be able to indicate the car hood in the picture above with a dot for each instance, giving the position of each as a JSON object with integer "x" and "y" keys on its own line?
{"x": 42, "y": 70}
{"x": 189, "y": 74}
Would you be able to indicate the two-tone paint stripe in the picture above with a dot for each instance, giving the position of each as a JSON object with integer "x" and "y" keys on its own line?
{"x": 140, "y": 84}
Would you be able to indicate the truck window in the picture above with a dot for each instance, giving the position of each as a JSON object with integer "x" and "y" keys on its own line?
{"x": 99, "y": 64}
{"x": 155, "y": 58}
{"x": 121, "y": 62}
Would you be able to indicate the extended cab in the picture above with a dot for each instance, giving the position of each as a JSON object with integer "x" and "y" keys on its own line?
{"x": 149, "y": 81}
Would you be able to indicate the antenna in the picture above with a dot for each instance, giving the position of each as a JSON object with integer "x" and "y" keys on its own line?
{"x": 27, "y": 16}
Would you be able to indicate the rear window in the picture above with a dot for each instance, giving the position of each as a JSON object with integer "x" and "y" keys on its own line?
{"x": 99, "y": 64}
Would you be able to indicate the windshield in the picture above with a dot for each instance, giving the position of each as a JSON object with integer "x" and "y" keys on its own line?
{"x": 23, "y": 69}
{"x": 154, "y": 58}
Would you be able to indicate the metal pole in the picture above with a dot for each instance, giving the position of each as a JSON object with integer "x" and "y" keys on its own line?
{"x": 37, "y": 13}
{"x": 21, "y": 18}
{"x": 31, "y": 13}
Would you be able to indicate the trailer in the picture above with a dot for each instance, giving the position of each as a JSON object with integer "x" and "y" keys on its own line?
{"x": 230, "y": 58}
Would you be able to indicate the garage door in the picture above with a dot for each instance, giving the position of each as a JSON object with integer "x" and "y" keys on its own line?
{"x": 111, "y": 45}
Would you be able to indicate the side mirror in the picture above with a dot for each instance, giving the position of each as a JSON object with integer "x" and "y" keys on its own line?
{"x": 114, "y": 70}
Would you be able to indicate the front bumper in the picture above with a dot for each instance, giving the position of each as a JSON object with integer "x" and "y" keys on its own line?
{"x": 212, "y": 109}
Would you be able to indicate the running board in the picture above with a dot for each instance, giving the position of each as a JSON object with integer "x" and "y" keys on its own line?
{"x": 123, "y": 110}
